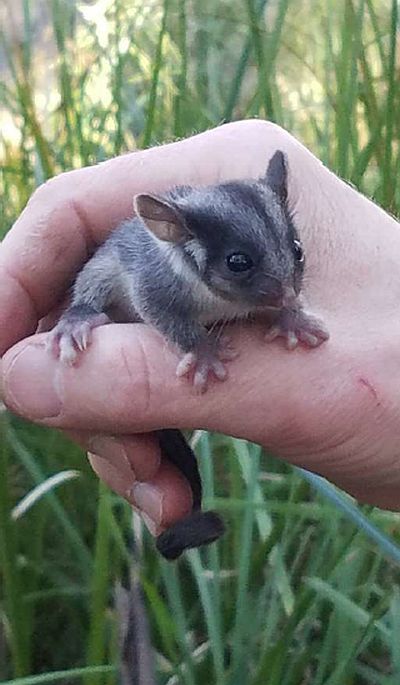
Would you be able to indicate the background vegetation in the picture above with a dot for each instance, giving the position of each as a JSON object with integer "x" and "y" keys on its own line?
{"x": 303, "y": 589}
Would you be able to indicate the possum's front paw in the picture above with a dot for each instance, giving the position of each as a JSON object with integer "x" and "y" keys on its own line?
{"x": 296, "y": 326}
{"x": 73, "y": 333}
{"x": 207, "y": 360}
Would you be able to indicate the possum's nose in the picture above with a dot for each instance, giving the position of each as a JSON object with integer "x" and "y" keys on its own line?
{"x": 270, "y": 291}
{"x": 282, "y": 295}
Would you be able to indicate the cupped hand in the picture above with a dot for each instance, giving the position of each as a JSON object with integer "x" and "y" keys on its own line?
{"x": 334, "y": 410}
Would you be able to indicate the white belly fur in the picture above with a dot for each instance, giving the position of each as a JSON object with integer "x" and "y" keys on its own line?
{"x": 214, "y": 308}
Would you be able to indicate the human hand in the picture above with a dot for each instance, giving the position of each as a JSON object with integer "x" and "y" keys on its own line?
{"x": 333, "y": 410}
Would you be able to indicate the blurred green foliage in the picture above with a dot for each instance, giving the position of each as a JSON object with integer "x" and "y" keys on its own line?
{"x": 296, "y": 593}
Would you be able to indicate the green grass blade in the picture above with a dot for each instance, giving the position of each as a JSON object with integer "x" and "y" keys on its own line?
{"x": 392, "y": 103}
{"x": 240, "y": 71}
{"x": 10, "y": 571}
{"x": 212, "y": 622}
{"x": 350, "y": 510}
{"x": 264, "y": 89}
{"x": 244, "y": 561}
{"x": 179, "y": 98}
{"x": 353, "y": 612}
{"x": 72, "y": 534}
{"x": 96, "y": 651}
{"x": 35, "y": 495}
{"x": 151, "y": 109}
{"x": 59, "y": 676}
{"x": 174, "y": 591}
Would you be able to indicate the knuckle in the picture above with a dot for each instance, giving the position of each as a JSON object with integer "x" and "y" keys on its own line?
{"x": 260, "y": 127}
{"x": 45, "y": 191}
{"x": 56, "y": 189}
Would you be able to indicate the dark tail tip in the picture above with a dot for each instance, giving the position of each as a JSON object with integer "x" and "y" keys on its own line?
{"x": 199, "y": 528}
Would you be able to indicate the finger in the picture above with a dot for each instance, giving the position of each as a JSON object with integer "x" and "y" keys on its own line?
{"x": 137, "y": 389}
{"x": 162, "y": 500}
{"x": 73, "y": 212}
{"x": 131, "y": 466}
{"x": 135, "y": 457}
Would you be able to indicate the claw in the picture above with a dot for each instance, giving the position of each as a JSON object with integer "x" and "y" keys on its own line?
{"x": 272, "y": 334}
{"x": 68, "y": 354}
{"x": 295, "y": 325}
{"x": 308, "y": 339}
{"x": 186, "y": 364}
{"x": 291, "y": 340}
{"x": 200, "y": 381}
{"x": 73, "y": 335}
{"x": 203, "y": 363}
{"x": 82, "y": 336}
{"x": 219, "y": 370}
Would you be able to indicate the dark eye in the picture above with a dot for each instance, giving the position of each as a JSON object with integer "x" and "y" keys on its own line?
{"x": 298, "y": 251}
{"x": 238, "y": 261}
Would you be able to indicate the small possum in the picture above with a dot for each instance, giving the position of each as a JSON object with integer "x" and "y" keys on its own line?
{"x": 192, "y": 257}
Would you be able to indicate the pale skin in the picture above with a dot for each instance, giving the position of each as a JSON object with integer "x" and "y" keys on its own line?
{"x": 334, "y": 410}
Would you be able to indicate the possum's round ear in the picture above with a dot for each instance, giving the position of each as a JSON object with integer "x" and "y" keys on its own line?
{"x": 161, "y": 218}
{"x": 276, "y": 175}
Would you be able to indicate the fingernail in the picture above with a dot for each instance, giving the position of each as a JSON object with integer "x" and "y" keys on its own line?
{"x": 110, "y": 448}
{"x": 29, "y": 383}
{"x": 148, "y": 499}
{"x": 116, "y": 479}
{"x": 152, "y": 527}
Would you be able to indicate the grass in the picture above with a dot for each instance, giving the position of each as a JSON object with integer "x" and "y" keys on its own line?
{"x": 303, "y": 588}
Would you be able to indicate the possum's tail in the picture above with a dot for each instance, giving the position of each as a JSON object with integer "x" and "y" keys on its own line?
{"x": 200, "y": 527}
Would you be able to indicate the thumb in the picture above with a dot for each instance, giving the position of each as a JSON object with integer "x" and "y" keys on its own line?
{"x": 126, "y": 383}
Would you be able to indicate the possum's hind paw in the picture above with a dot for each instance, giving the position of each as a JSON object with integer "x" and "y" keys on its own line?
{"x": 73, "y": 334}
